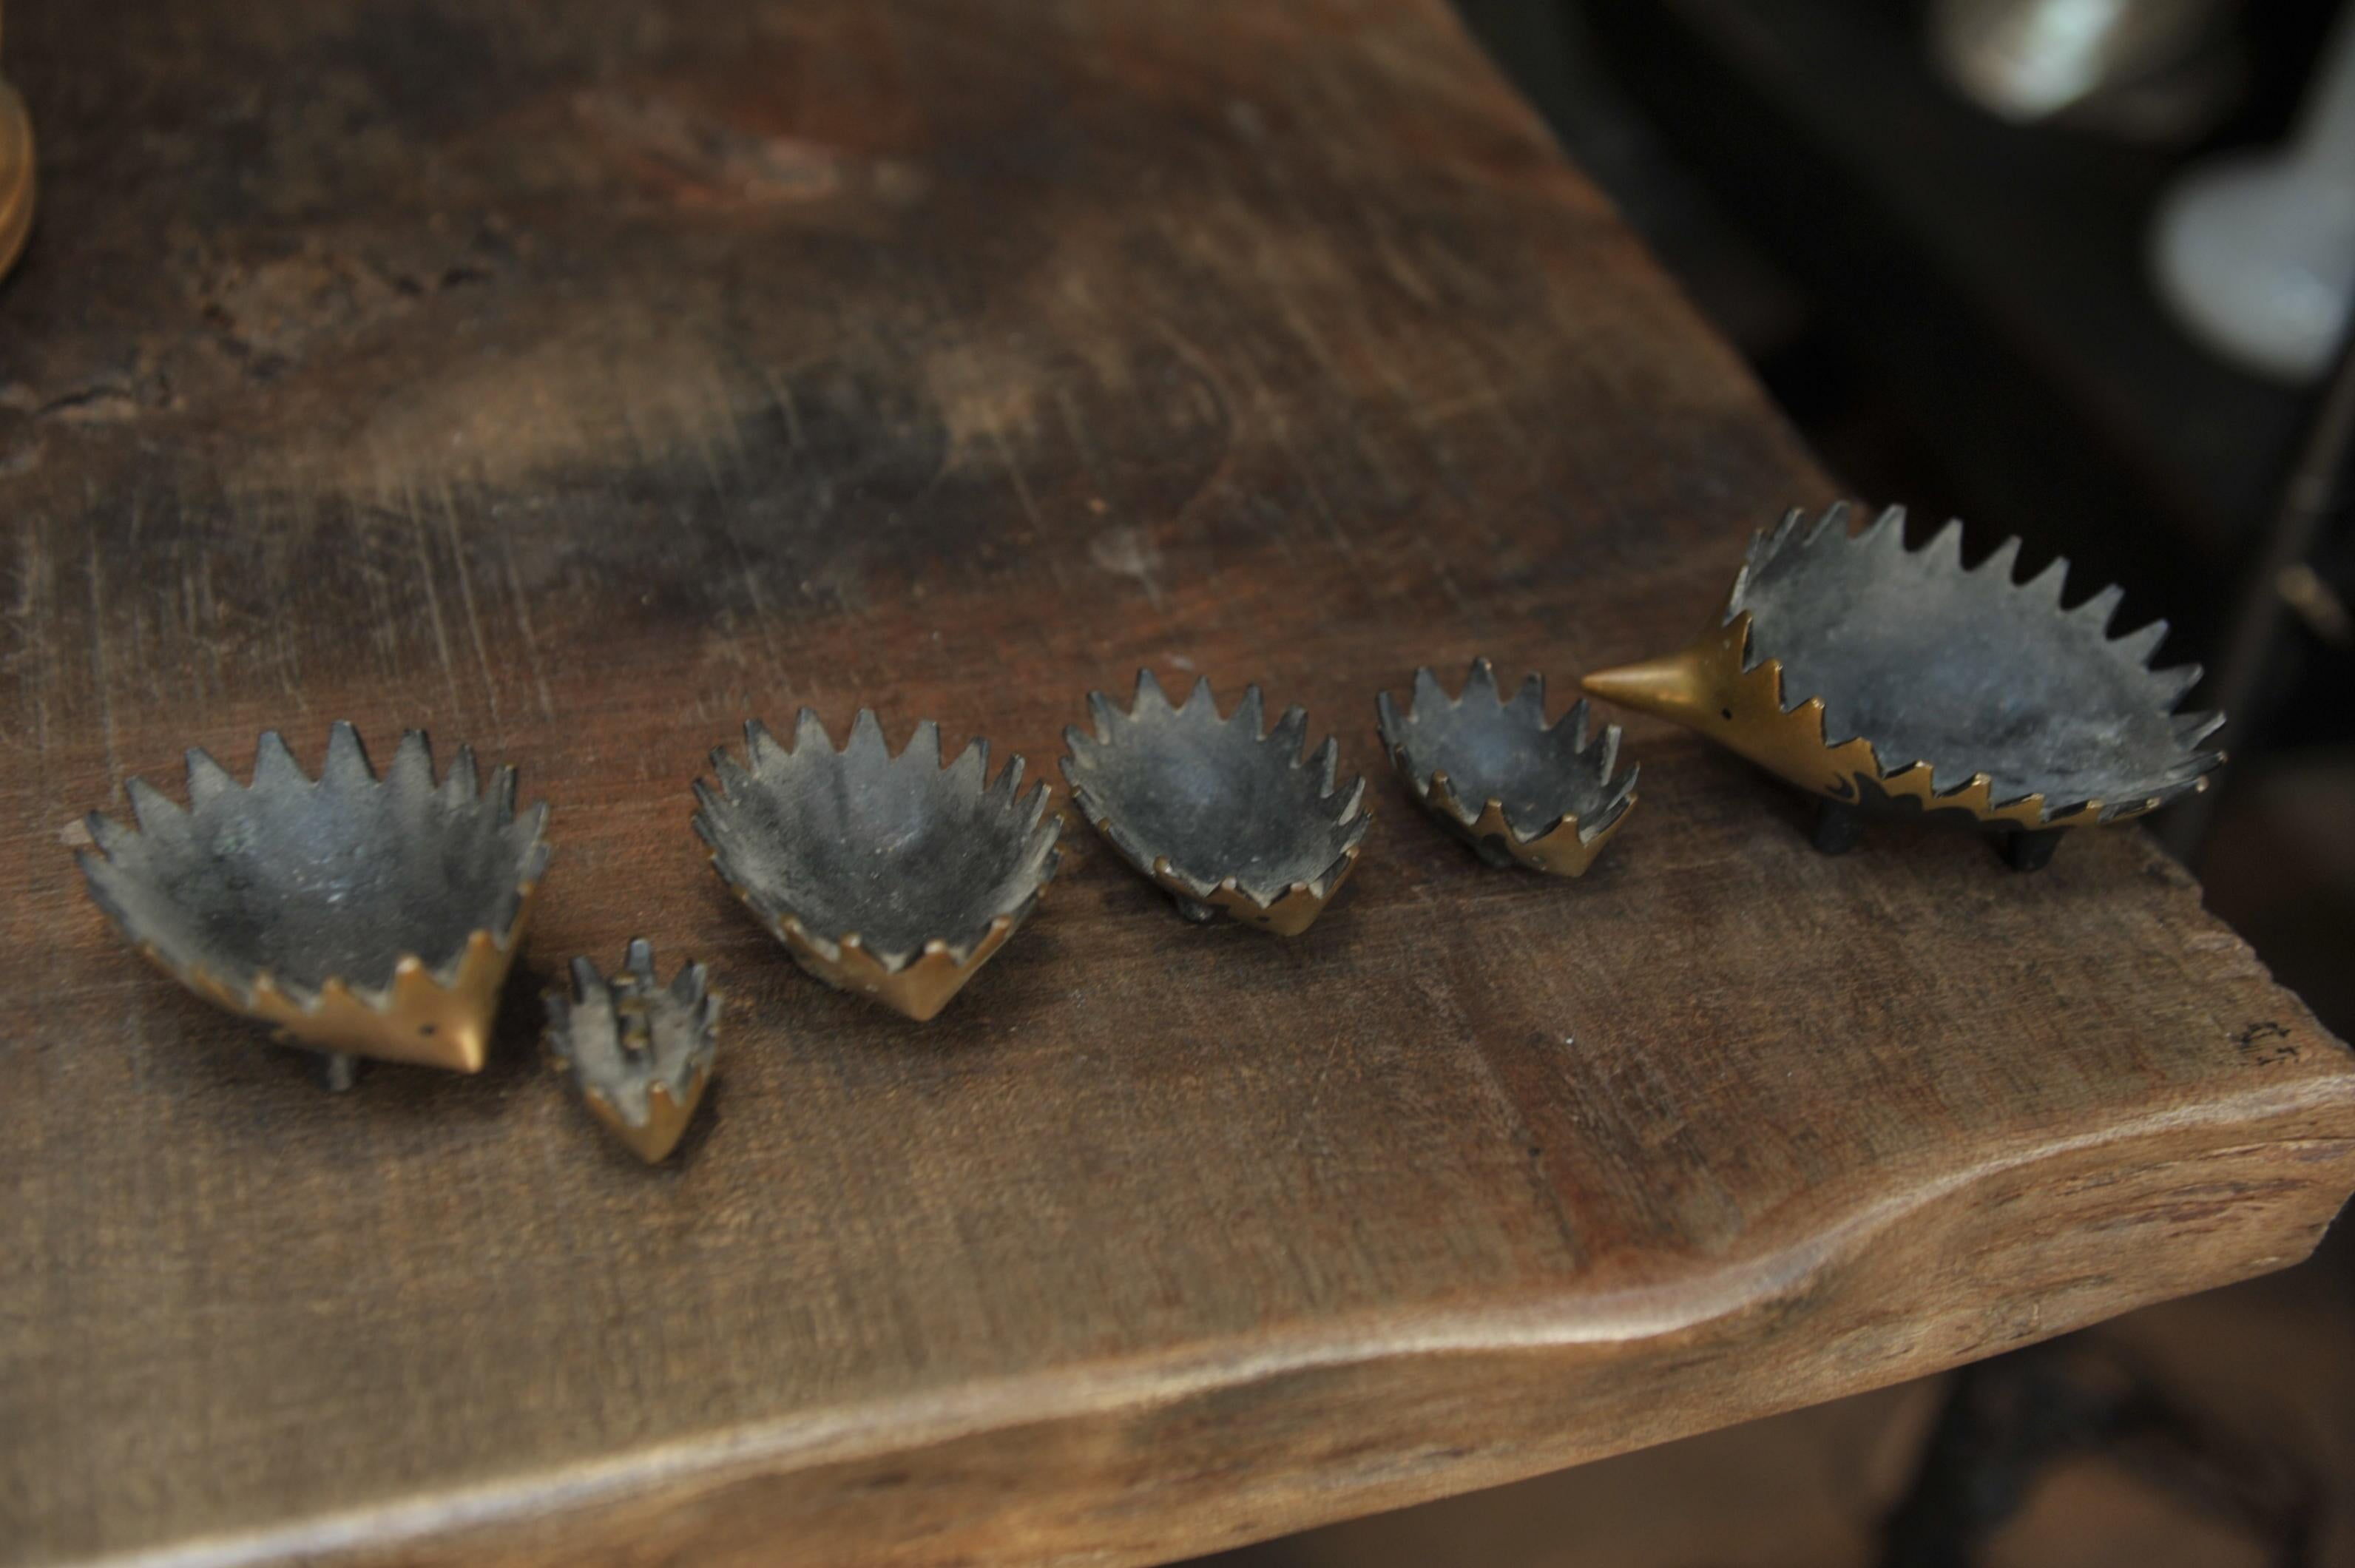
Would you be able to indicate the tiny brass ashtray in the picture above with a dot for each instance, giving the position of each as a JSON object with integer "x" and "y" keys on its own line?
{"x": 363, "y": 916}
{"x": 638, "y": 1051}
{"x": 1220, "y": 816}
{"x": 1880, "y": 677}
{"x": 1519, "y": 791}
{"x": 895, "y": 877}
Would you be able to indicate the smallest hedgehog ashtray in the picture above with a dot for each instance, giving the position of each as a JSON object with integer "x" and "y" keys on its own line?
{"x": 363, "y": 916}
{"x": 1519, "y": 791}
{"x": 638, "y": 1053}
{"x": 895, "y": 877}
{"x": 1217, "y": 814}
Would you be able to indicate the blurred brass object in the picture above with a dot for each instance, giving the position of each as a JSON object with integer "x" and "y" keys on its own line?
{"x": 637, "y": 1052}
{"x": 15, "y": 175}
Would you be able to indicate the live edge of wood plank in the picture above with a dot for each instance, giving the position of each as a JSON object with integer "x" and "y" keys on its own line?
{"x": 1307, "y": 1422}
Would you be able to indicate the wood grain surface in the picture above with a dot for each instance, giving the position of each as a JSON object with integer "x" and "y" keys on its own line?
{"x": 577, "y": 381}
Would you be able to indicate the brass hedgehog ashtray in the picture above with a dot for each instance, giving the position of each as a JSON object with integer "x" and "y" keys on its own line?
{"x": 1217, "y": 815}
{"x": 364, "y": 917}
{"x": 639, "y": 1053}
{"x": 897, "y": 877}
{"x": 1880, "y": 677}
{"x": 1520, "y": 792}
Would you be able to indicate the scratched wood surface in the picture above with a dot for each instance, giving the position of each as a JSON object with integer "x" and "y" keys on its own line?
{"x": 579, "y": 380}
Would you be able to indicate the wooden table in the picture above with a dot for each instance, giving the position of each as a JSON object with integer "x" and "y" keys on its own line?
{"x": 579, "y": 380}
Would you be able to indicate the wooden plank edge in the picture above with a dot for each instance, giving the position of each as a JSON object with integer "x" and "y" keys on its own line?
{"x": 1136, "y": 1461}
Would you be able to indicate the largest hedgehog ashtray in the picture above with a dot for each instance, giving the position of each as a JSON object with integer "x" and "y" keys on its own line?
{"x": 363, "y": 916}
{"x": 1217, "y": 815}
{"x": 1881, "y": 678}
{"x": 897, "y": 877}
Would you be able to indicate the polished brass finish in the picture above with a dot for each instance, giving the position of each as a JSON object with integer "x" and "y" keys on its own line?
{"x": 1292, "y": 911}
{"x": 638, "y": 1053}
{"x": 1731, "y": 684}
{"x": 419, "y": 1019}
{"x": 918, "y": 987}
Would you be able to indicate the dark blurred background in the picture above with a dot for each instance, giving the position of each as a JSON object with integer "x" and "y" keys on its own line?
{"x": 2075, "y": 270}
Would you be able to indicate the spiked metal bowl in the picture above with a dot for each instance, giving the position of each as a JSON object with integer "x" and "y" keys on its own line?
{"x": 894, "y": 876}
{"x": 1219, "y": 815}
{"x": 1520, "y": 792}
{"x": 637, "y": 1052}
{"x": 1874, "y": 676}
{"x": 363, "y": 916}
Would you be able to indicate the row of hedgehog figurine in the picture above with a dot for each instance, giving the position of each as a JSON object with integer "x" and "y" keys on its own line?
{"x": 377, "y": 916}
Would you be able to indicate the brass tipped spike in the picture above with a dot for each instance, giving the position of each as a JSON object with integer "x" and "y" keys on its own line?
{"x": 1326, "y": 763}
{"x": 411, "y": 776}
{"x": 110, "y": 837}
{"x": 639, "y": 1053}
{"x": 866, "y": 737}
{"x": 1290, "y": 731}
{"x": 208, "y": 780}
{"x": 274, "y": 765}
{"x": 810, "y": 736}
{"x": 1250, "y": 712}
{"x": 347, "y": 762}
{"x": 971, "y": 768}
{"x": 156, "y": 812}
{"x": 762, "y": 747}
{"x": 461, "y": 783}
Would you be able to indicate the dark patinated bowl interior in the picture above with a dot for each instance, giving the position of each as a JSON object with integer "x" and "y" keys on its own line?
{"x": 1968, "y": 671}
{"x": 620, "y": 1036}
{"x": 309, "y": 881}
{"x": 1214, "y": 796}
{"x": 1494, "y": 750}
{"x": 901, "y": 850}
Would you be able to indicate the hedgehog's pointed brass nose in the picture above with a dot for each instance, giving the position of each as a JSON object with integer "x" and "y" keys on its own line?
{"x": 1674, "y": 687}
